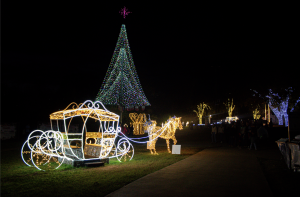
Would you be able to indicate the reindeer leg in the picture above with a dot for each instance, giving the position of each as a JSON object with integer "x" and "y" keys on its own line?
{"x": 151, "y": 151}
{"x": 168, "y": 142}
{"x": 153, "y": 147}
{"x": 174, "y": 140}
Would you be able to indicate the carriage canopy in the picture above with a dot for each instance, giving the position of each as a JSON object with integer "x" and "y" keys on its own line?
{"x": 83, "y": 110}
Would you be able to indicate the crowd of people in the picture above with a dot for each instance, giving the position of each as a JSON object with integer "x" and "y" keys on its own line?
{"x": 240, "y": 134}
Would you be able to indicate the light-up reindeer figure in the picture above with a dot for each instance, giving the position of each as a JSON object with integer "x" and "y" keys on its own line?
{"x": 152, "y": 129}
{"x": 166, "y": 132}
{"x": 229, "y": 107}
{"x": 200, "y": 111}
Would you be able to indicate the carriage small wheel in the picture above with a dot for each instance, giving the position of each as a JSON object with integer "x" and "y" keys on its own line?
{"x": 125, "y": 150}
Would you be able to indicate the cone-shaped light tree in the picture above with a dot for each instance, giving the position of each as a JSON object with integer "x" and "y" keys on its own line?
{"x": 121, "y": 85}
{"x": 200, "y": 111}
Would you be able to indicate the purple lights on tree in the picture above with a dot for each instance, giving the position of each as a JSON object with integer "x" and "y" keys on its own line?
{"x": 124, "y": 12}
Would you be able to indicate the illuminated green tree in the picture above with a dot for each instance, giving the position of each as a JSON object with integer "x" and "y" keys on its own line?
{"x": 121, "y": 85}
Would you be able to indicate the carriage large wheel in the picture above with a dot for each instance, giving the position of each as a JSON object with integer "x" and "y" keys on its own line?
{"x": 125, "y": 150}
{"x": 43, "y": 151}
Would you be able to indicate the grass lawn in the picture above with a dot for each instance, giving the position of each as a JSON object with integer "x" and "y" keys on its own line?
{"x": 17, "y": 179}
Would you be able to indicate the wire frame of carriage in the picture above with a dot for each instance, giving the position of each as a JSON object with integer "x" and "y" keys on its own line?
{"x": 124, "y": 148}
{"x": 43, "y": 149}
{"x": 87, "y": 110}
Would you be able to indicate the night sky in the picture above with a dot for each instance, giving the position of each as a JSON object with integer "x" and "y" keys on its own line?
{"x": 56, "y": 53}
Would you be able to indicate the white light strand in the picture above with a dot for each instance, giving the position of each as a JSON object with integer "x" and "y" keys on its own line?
{"x": 164, "y": 128}
{"x": 283, "y": 106}
{"x": 295, "y": 105}
{"x": 282, "y": 112}
{"x": 51, "y": 147}
{"x": 47, "y": 145}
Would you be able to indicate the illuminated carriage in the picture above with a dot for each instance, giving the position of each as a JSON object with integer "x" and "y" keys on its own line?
{"x": 49, "y": 149}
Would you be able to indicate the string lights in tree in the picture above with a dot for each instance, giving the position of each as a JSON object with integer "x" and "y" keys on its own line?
{"x": 280, "y": 104}
{"x": 256, "y": 116}
{"x": 200, "y": 111}
{"x": 283, "y": 106}
{"x": 121, "y": 85}
{"x": 229, "y": 107}
{"x": 295, "y": 105}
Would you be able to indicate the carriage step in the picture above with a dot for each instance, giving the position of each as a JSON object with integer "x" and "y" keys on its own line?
{"x": 94, "y": 164}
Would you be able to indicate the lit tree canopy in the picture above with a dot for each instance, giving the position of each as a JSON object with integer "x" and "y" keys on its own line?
{"x": 281, "y": 102}
{"x": 121, "y": 85}
{"x": 229, "y": 107}
{"x": 256, "y": 115}
{"x": 200, "y": 111}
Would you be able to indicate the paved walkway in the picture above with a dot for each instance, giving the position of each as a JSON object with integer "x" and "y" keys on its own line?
{"x": 218, "y": 170}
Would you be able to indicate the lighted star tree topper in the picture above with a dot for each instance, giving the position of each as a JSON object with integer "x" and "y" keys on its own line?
{"x": 121, "y": 85}
{"x": 124, "y": 12}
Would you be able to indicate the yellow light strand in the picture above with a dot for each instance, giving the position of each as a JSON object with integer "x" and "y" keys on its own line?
{"x": 256, "y": 116}
{"x": 200, "y": 111}
{"x": 229, "y": 107}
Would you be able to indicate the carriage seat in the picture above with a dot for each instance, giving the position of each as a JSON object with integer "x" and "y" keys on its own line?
{"x": 93, "y": 136}
{"x": 91, "y": 149}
